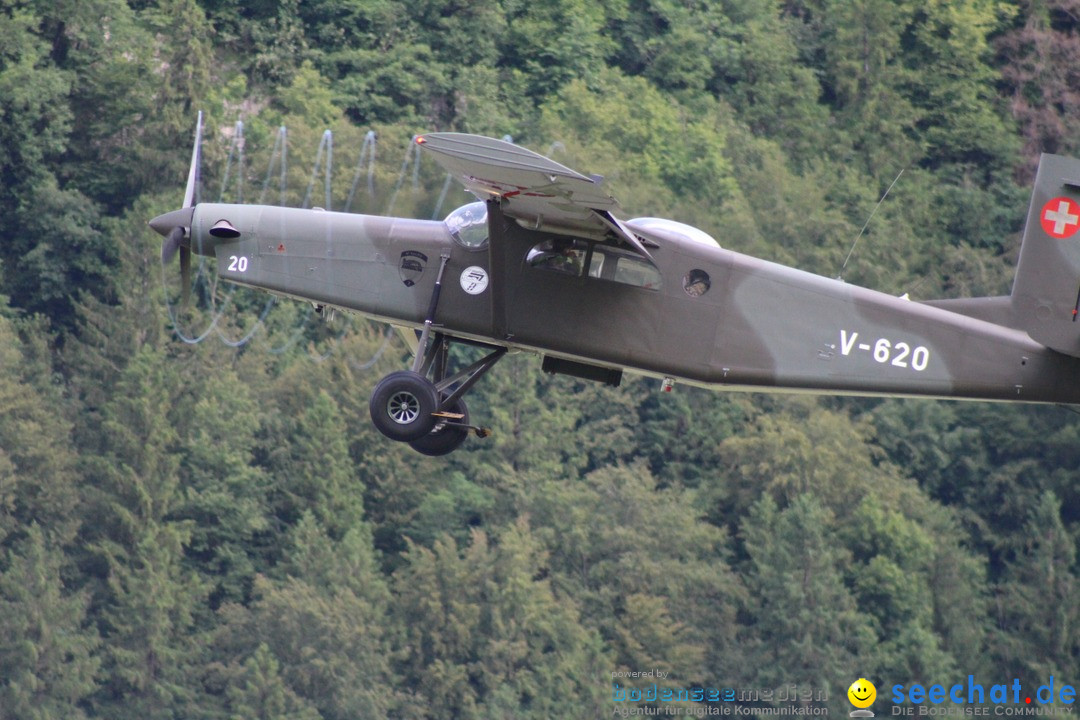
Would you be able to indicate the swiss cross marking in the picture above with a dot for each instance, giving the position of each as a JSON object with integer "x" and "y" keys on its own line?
{"x": 1061, "y": 217}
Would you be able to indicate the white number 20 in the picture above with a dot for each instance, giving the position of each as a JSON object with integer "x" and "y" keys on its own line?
{"x": 238, "y": 264}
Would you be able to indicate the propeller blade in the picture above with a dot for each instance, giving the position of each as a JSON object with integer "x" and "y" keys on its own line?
{"x": 193, "y": 170}
{"x": 171, "y": 244}
{"x": 185, "y": 275}
{"x": 176, "y": 224}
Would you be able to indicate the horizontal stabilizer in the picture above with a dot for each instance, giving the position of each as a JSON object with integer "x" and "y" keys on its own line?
{"x": 997, "y": 310}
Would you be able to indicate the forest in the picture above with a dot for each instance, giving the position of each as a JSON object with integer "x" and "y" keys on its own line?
{"x": 212, "y": 529}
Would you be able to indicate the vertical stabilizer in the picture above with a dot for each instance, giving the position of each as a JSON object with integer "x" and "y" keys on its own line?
{"x": 1046, "y": 291}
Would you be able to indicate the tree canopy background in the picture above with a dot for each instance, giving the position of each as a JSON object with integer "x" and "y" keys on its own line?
{"x": 209, "y": 531}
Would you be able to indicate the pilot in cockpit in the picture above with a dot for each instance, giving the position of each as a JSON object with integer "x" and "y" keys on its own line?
{"x": 562, "y": 255}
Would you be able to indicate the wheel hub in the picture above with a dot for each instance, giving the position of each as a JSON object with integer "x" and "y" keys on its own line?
{"x": 403, "y": 407}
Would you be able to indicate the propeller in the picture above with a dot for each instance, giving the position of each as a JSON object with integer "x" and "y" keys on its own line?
{"x": 175, "y": 226}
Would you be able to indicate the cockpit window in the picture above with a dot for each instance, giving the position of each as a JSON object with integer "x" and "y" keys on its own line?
{"x": 604, "y": 262}
{"x": 468, "y": 225}
{"x": 563, "y": 255}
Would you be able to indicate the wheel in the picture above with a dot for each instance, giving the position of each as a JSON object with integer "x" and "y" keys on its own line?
{"x": 444, "y": 438}
{"x": 402, "y": 405}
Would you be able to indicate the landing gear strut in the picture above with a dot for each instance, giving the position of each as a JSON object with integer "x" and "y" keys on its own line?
{"x": 430, "y": 414}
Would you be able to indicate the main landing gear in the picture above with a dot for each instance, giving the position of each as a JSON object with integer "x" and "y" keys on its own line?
{"x": 430, "y": 414}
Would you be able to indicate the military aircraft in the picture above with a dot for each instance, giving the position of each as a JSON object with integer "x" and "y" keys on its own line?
{"x": 542, "y": 263}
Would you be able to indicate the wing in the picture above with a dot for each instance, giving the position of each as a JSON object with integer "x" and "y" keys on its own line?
{"x": 535, "y": 190}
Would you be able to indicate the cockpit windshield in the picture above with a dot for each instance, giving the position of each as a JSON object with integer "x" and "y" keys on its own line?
{"x": 468, "y": 225}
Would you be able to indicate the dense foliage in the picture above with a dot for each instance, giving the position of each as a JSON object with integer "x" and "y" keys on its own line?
{"x": 194, "y": 530}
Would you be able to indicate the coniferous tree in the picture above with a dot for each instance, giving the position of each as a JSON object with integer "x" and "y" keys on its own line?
{"x": 48, "y": 661}
{"x": 486, "y": 634}
{"x": 324, "y": 620}
{"x": 148, "y": 598}
{"x": 1037, "y": 622}
{"x": 38, "y": 481}
{"x": 259, "y": 693}
{"x": 806, "y": 627}
{"x": 663, "y": 597}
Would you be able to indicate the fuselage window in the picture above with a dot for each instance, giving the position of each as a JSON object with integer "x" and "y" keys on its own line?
{"x": 625, "y": 267}
{"x": 696, "y": 283}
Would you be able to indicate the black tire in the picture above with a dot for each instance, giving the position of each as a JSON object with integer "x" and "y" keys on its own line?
{"x": 444, "y": 438}
{"x": 402, "y": 405}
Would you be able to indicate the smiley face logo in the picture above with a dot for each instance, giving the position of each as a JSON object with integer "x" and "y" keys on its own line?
{"x": 862, "y": 693}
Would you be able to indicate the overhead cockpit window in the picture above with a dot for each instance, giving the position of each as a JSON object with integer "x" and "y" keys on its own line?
{"x": 563, "y": 255}
{"x": 468, "y": 225}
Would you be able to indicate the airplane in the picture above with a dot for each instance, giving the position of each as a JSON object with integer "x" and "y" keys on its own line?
{"x": 542, "y": 263}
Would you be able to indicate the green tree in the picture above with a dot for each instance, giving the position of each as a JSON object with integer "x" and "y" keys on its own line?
{"x": 47, "y": 647}
{"x": 151, "y": 654}
{"x": 34, "y": 209}
{"x": 1038, "y": 58}
{"x": 665, "y": 597}
{"x": 110, "y": 57}
{"x": 801, "y": 447}
{"x": 810, "y": 631}
{"x": 868, "y": 82}
{"x": 185, "y": 57}
{"x": 259, "y": 693}
{"x": 775, "y": 201}
{"x": 225, "y": 496}
{"x": 465, "y": 41}
{"x": 324, "y": 620}
{"x": 488, "y": 635}
{"x": 546, "y": 46}
{"x": 379, "y": 63}
{"x": 894, "y": 576}
{"x": 147, "y": 599}
{"x": 532, "y": 418}
{"x": 38, "y": 480}
{"x": 1036, "y": 621}
{"x": 958, "y": 115}
{"x": 59, "y": 246}
{"x": 267, "y": 37}
{"x": 757, "y": 71}
{"x": 34, "y": 91}
{"x": 312, "y": 470}
{"x": 673, "y": 151}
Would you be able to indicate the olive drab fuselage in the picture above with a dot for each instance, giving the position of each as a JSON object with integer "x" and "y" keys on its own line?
{"x": 759, "y": 325}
